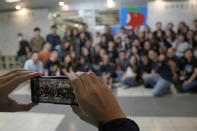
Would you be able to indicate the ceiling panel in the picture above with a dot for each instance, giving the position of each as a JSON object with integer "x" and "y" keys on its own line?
{"x": 54, "y": 3}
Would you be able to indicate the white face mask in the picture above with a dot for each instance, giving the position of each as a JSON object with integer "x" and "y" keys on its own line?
{"x": 20, "y": 38}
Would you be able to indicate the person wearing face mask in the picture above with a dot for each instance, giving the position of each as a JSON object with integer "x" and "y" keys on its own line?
{"x": 24, "y": 49}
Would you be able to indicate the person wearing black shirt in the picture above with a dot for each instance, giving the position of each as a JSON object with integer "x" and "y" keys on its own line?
{"x": 84, "y": 30}
{"x": 52, "y": 66}
{"x": 84, "y": 65}
{"x": 161, "y": 77}
{"x": 122, "y": 62}
{"x": 159, "y": 29}
{"x": 112, "y": 52}
{"x": 108, "y": 33}
{"x": 24, "y": 49}
{"x": 170, "y": 55}
{"x": 106, "y": 71}
{"x": 66, "y": 67}
{"x": 103, "y": 42}
{"x": 145, "y": 64}
{"x": 189, "y": 72}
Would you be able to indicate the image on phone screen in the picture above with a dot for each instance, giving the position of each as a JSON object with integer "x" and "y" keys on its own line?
{"x": 56, "y": 90}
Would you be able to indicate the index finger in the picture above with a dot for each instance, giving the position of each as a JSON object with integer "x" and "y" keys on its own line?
{"x": 12, "y": 71}
{"x": 77, "y": 85}
{"x": 21, "y": 79}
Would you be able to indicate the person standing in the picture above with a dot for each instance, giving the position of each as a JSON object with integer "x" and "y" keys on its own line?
{"x": 24, "y": 50}
{"x": 37, "y": 41}
{"x": 53, "y": 38}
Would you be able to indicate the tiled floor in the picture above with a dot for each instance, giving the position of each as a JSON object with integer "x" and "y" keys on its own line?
{"x": 169, "y": 113}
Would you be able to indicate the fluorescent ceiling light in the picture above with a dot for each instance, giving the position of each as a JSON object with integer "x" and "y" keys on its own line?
{"x": 61, "y": 3}
{"x": 110, "y": 4}
{"x": 18, "y": 7}
{"x": 12, "y": 1}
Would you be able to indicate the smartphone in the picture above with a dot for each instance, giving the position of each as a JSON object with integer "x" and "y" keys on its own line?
{"x": 52, "y": 89}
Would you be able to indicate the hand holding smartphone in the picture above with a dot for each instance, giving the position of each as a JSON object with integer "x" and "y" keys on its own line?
{"x": 52, "y": 89}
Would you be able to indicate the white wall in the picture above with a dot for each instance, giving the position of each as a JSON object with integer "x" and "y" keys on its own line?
{"x": 172, "y": 12}
{"x": 23, "y": 21}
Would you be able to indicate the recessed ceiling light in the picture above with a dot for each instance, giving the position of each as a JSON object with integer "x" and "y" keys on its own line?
{"x": 111, "y": 4}
{"x": 18, "y": 7}
{"x": 61, "y": 3}
{"x": 12, "y": 1}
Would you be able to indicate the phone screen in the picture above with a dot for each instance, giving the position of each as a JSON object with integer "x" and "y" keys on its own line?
{"x": 56, "y": 90}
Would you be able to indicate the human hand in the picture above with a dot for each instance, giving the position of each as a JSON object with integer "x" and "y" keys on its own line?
{"x": 95, "y": 100}
{"x": 79, "y": 112}
{"x": 8, "y": 83}
{"x": 186, "y": 82}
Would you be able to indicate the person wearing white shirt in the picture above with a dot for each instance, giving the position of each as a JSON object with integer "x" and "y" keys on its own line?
{"x": 180, "y": 45}
{"x": 34, "y": 64}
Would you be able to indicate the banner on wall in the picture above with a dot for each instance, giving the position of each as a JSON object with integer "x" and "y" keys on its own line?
{"x": 133, "y": 16}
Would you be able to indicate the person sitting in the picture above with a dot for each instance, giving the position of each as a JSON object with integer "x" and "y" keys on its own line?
{"x": 145, "y": 64}
{"x": 131, "y": 76}
{"x": 180, "y": 45}
{"x": 45, "y": 53}
{"x": 63, "y": 49}
{"x": 112, "y": 52}
{"x": 106, "y": 71}
{"x": 74, "y": 60}
{"x": 84, "y": 65}
{"x": 34, "y": 64}
{"x": 52, "y": 66}
{"x": 37, "y": 41}
{"x": 161, "y": 77}
{"x": 122, "y": 34}
{"x": 122, "y": 62}
{"x": 66, "y": 67}
{"x": 188, "y": 76}
{"x": 53, "y": 38}
{"x": 103, "y": 42}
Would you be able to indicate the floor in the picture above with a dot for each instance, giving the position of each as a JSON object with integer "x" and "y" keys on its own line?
{"x": 177, "y": 112}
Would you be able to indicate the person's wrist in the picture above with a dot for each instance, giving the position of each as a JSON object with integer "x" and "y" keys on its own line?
{"x": 111, "y": 117}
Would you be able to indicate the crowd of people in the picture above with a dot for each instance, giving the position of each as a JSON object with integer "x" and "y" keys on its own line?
{"x": 156, "y": 59}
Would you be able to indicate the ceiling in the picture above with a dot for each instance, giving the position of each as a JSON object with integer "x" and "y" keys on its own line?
{"x": 34, "y": 4}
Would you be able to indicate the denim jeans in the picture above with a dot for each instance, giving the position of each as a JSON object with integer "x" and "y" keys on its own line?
{"x": 130, "y": 82}
{"x": 160, "y": 86}
{"x": 119, "y": 76}
{"x": 189, "y": 86}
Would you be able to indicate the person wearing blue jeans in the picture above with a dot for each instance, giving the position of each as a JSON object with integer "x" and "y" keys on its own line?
{"x": 160, "y": 85}
{"x": 189, "y": 69}
{"x": 189, "y": 86}
{"x": 130, "y": 82}
{"x": 162, "y": 74}
{"x": 131, "y": 76}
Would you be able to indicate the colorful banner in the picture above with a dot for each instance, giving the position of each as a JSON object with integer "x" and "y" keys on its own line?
{"x": 133, "y": 16}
